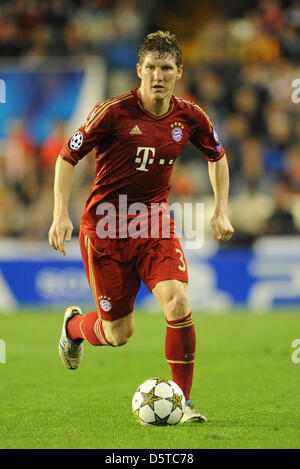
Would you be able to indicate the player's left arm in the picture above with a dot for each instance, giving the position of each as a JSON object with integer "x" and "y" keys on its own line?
{"x": 219, "y": 178}
{"x": 206, "y": 139}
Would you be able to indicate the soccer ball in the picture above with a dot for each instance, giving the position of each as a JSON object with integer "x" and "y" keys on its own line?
{"x": 158, "y": 401}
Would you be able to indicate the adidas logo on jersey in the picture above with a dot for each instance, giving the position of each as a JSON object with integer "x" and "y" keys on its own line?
{"x": 136, "y": 130}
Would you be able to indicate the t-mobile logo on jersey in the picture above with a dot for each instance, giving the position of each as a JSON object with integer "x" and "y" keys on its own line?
{"x": 144, "y": 160}
{"x": 147, "y": 157}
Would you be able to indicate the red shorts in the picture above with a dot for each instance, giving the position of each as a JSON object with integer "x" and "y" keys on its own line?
{"x": 115, "y": 268}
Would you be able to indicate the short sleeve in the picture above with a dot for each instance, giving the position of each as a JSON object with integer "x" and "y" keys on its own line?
{"x": 90, "y": 134}
{"x": 205, "y": 137}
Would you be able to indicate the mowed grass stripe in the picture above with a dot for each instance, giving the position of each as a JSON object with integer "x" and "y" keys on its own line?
{"x": 245, "y": 383}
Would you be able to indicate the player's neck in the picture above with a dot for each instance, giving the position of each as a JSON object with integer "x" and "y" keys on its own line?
{"x": 157, "y": 107}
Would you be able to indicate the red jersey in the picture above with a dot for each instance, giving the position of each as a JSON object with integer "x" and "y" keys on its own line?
{"x": 136, "y": 150}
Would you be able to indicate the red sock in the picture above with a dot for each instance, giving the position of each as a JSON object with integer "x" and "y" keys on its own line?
{"x": 88, "y": 327}
{"x": 180, "y": 349}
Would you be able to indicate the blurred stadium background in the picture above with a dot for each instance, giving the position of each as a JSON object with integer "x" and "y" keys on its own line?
{"x": 59, "y": 58}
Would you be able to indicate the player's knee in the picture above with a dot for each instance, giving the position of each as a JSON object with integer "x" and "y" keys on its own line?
{"x": 120, "y": 336}
{"x": 117, "y": 340}
{"x": 177, "y": 307}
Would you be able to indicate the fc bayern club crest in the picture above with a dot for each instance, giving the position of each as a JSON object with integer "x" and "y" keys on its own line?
{"x": 76, "y": 141}
{"x": 105, "y": 303}
{"x": 177, "y": 131}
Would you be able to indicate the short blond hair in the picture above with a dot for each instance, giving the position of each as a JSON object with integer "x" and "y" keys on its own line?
{"x": 163, "y": 42}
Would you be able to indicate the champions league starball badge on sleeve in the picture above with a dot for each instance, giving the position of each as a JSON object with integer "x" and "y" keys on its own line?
{"x": 76, "y": 141}
{"x": 218, "y": 147}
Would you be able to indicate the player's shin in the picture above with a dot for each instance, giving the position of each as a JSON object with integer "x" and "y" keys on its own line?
{"x": 88, "y": 327}
{"x": 180, "y": 346}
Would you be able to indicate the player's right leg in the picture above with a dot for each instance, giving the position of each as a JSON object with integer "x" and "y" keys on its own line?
{"x": 114, "y": 285}
{"x": 77, "y": 328}
{"x": 98, "y": 331}
{"x": 118, "y": 332}
{"x": 70, "y": 351}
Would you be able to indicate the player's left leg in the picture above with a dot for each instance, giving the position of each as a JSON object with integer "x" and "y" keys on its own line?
{"x": 164, "y": 271}
{"x": 180, "y": 343}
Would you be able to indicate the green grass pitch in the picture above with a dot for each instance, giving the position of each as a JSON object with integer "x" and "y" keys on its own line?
{"x": 245, "y": 383}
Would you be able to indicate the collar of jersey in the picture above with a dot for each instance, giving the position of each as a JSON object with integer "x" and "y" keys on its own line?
{"x": 171, "y": 107}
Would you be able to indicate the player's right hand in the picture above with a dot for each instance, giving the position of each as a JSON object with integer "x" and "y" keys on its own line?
{"x": 60, "y": 231}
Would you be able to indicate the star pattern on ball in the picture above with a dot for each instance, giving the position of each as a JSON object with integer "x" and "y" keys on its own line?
{"x": 149, "y": 398}
{"x": 176, "y": 401}
{"x": 161, "y": 421}
{"x": 161, "y": 380}
{"x": 136, "y": 414}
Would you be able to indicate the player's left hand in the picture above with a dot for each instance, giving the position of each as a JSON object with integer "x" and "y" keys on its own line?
{"x": 222, "y": 227}
{"x": 60, "y": 231}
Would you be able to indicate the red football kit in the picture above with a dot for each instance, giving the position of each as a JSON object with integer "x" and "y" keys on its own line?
{"x": 135, "y": 155}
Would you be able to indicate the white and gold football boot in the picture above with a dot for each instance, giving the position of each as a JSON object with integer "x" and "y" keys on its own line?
{"x": 190, "y": 415}
{"x": 70, "y": 351}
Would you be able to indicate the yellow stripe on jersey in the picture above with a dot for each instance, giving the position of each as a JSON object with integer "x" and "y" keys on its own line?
{"x": 97, "y": 325}
{"x": 197, "y": 106}
{"x": 104, "y": 103}
{"x": 91, "y": 273}
{"x": 103, "y": 107}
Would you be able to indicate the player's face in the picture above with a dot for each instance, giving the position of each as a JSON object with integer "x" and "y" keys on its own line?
{"x": 158, "y": 75}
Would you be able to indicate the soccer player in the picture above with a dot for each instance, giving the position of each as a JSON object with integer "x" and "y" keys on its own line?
{"x": 138, "y": 137}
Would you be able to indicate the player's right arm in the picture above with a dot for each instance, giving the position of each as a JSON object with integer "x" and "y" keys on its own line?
{"x": 62, "y": 227}
{"x": 90, "y": 134}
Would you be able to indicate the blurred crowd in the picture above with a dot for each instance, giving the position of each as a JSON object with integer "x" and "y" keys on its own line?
{"x": 239, "y": 66}
{"x": 35, "y": 30}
